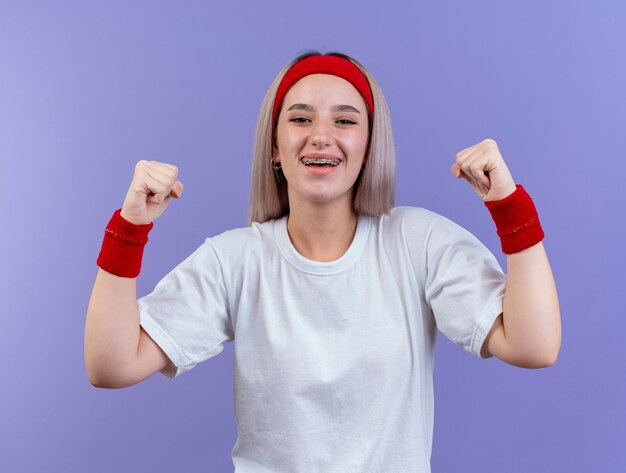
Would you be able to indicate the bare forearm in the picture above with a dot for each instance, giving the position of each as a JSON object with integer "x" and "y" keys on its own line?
{"x": 531, "y": 314}
{"x": 112, "y": 327}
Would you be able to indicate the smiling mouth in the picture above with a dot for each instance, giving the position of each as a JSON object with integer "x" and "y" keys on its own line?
{"x": 320, "y": 161}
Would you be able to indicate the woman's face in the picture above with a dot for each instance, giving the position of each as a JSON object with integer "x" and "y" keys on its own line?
{"x": 323, "y": 116}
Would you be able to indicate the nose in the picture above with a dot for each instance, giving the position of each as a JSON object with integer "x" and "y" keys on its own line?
{"x": 321, "y": 133}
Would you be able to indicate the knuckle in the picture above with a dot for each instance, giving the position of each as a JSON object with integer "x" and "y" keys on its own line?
{"x": 167, "y": 168}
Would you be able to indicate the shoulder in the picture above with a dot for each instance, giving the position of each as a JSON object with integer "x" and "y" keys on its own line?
{"x": 406, "y": 212}
{"x": 419, "y": 227}
{"x": 238, "y": 242}
{"x": 421, "y": 219}
{"x": 404, "y": 229}
{"x": 408, "y": 219}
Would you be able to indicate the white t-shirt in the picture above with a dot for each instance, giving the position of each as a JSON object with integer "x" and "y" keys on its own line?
{"x": 333, "y": 361}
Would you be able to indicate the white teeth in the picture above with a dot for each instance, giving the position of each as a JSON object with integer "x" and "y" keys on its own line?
{"x": 331, "y": 161}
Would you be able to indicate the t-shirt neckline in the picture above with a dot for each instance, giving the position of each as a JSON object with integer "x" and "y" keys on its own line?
{"x": 307, "y": 265}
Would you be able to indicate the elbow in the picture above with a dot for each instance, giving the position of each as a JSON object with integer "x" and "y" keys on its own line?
{"x": 93, "y": 374}
{"x": 96, "y": 380}
{"x": 533, "y": 361}
{"x": 96, "y": 383}
{"x": 546, "y": 364}
{"x": 99, "y": 382}
{"x": 548, "y": 360}
{"x": 553, "y": 358}
{"x": 554, "y": 353}
{"x": 99, "y": 378}
{"x": 110, "y": 377}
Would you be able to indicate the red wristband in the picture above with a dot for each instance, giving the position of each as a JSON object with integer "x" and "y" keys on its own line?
{"x": 122, "y": 247}
{"x": 517, "y": 221}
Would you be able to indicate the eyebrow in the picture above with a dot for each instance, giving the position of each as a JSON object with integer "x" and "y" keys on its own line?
{"x": 310, "y": 108}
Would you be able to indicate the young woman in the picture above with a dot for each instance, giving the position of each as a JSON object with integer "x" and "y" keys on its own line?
{"x": 332, "y": 294}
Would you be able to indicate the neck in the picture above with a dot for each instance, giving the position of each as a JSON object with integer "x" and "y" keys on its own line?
{"x": 322, "y": 232}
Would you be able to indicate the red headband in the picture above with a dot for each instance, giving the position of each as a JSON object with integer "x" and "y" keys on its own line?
{"x": 324, "y": 64}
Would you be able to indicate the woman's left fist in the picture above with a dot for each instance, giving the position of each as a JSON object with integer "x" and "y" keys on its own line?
{"x": 483, "y": 167}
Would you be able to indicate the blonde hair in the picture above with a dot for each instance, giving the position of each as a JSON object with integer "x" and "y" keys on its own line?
{"x": 374, "y": 189}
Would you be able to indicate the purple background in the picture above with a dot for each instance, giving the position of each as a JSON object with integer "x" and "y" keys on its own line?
{"x": 89, "y": 88}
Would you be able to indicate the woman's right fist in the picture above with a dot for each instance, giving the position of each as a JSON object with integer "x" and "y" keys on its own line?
{"x": 150, "y": 192}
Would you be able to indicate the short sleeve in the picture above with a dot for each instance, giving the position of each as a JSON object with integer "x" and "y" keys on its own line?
{"x": 464, "y": 286}
{"x": 187, "y": 312}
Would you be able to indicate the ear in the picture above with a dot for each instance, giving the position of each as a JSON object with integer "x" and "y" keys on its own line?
{"x": 367, "y": 153}
{"x": 275, "y": 154}
{"x": 274, "y": 146}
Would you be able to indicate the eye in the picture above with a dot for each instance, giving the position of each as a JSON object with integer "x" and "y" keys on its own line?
{"x": 298, "y": 119}
{"x": 342, "y": 121}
